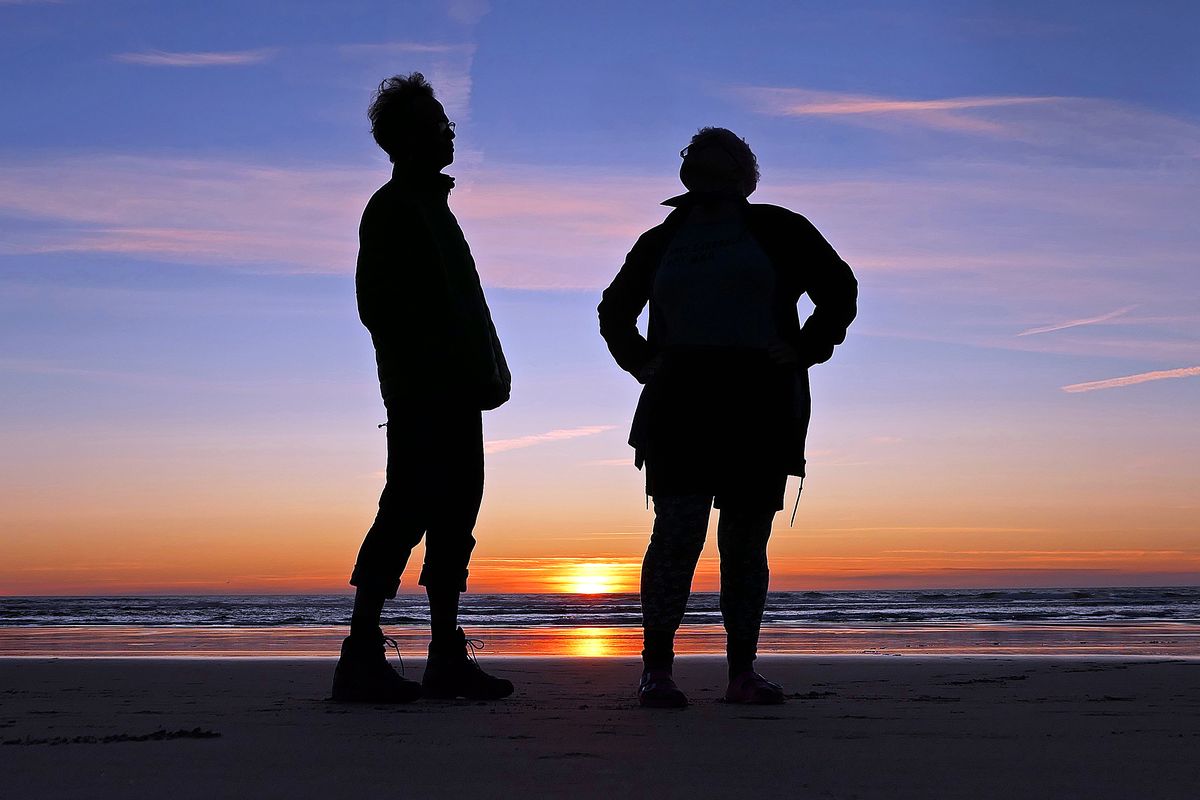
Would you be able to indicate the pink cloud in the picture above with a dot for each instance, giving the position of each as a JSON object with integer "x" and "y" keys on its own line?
{"x": 1075, "y": 126}
{"x": 942, "y": 114}
{"x": 557, "y": 435}
{"x": 1133, "y": 380}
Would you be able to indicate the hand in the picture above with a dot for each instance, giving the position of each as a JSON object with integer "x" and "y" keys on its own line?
{"x": 649, "y": 369}
{"x": 783, "y": 354}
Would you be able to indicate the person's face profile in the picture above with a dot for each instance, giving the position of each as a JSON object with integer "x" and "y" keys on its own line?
{"x": 431, "y": 135}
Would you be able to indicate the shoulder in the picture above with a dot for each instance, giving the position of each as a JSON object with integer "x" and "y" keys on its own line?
{"x": 777, "y": 215}
{"x": 389, "y": 207}
{"x": 660, "y": 235}
{"x": 777, "y": 221}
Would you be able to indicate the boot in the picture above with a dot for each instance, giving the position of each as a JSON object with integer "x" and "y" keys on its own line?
{"x": 452, "y": 671}
{"x": 363, "y": 674}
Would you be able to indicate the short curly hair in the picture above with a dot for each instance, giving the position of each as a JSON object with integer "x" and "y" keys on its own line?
{"x": 737, "y": 148}
{"x": 391, "y": 107}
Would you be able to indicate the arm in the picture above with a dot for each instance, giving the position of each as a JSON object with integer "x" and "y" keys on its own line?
{"x": 620, "y": 307}
{"x": 398, "y": 300}
{"x": 834, "y": 292}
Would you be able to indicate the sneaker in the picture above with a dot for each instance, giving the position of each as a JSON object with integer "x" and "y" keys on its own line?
{"x": 363, "y": 674}
{"x": 452, "y": 671}
{"x": 750, "y": 688}
{"x": 658, "y": 690}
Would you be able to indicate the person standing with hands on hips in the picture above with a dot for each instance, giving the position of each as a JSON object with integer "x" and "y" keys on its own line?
{"x": 724, "y": 410}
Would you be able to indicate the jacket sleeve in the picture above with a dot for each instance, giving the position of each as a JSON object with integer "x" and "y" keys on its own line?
{"x": 620, "y": 307}
{"x": 833, "y": 289}
{"x": 375, "y": 278}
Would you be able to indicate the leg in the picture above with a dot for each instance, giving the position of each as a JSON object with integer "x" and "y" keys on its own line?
{"x": 397, "y": 528}
{"x": 742, "y": 535}
{"x": 456, "y": 494}
{"x": 363, "y": 673}
{"x": 451, "y": 670}
{"x": 680, "y": 525}
{"x": 443, "y": 611}
{"x": 368, "y": 606}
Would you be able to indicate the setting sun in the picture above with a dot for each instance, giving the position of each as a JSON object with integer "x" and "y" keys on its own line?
{"x": 596, "y": 577}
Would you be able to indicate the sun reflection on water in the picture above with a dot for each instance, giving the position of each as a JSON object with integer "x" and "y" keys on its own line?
{"x": 590, "y": 643}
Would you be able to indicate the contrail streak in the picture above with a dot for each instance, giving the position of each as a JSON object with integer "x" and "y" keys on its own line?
{"x": 558, "y": 435}
{"x": 1075, "y": 323}
{"x": 1131, "y": 380}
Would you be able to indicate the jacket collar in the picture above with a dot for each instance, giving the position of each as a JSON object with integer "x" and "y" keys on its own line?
{"x": 436, "y": 182}
{"x": 689, "y": 199}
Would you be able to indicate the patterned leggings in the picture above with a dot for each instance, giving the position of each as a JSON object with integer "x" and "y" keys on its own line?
{"x": 680, "y": 526}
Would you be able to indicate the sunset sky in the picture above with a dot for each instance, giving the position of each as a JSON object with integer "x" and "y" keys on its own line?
{"x": 189, "y": 402}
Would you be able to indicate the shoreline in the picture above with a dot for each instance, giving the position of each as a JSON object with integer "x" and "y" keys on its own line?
{"x": 1160, "y": 639}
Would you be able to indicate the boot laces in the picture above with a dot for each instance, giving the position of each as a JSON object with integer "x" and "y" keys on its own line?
{"x": 471, "y": 646}
{"x": 392, "y": 643}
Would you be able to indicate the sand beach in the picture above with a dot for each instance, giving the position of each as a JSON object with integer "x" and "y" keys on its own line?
{"x": 886, "y": 726}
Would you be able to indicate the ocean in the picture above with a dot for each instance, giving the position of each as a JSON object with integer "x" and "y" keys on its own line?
{"x": 1163, "y": 621}
{"x": 849, "y": 608}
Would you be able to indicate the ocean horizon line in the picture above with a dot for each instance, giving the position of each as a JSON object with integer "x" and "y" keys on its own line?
{"x": 349, "y": 592}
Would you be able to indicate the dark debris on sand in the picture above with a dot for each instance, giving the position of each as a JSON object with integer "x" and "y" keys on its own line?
{"x": 155, "y": 736}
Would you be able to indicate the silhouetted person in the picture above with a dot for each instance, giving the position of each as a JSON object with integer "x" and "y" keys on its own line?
{"x": 440, "y": 365}
{"x": 724, "y": 412}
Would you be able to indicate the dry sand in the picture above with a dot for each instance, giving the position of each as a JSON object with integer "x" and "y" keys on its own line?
{"x": 855, "y": 727}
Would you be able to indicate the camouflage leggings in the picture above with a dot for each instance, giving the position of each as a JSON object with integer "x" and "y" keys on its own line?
{"x": 680, "y": 526}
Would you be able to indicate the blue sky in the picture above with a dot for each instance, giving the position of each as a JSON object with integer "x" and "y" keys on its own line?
{"x": 1014, "y": 184}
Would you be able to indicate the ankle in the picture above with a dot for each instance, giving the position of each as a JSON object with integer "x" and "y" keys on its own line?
{"x": 365, "y": 631}
{"x": 445, "y": 635}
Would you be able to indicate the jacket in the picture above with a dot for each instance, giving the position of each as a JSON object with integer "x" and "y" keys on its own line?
{"x": 804, "y": 263}
{"x": 420, "y": 297}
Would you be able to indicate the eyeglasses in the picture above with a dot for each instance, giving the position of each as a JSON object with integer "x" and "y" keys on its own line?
{"x": 684, "y": 152}
{"x": 446, "y": 127}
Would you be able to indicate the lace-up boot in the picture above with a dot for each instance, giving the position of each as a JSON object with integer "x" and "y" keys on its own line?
{"x": 363, "y": 674}
{"x": 452, "y": 671}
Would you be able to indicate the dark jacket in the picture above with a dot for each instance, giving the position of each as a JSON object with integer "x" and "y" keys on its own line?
{"x": 804, "y": 263}
{"x": 419, "y": 295}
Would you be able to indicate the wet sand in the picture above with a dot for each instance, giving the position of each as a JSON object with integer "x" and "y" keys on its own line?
{"x": 854, "y": 726}
{"x": 1162, "y": 639}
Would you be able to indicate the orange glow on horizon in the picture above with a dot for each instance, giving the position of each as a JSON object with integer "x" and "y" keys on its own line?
{"x": 241, "y": 555}
{"x": 595, "y": 577}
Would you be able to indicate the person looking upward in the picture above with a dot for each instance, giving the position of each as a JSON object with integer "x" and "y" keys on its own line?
{"x": 440, "y": 365}
{"x": 724, "y": 410}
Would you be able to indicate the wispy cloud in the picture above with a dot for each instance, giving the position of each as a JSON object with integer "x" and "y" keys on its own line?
{"x": 1075, "y": 323}
{"x": 1075, "y": 127}
{"x": 304, "y": 218}
{"x": 400, "y": 48}
{"x": 1133, "y": 380}
{"x": 165, "y": 58}
{"x": 468, "y": 12}
{"x": 447, "y": 65}
{"x": 557, "y": 435}
{"x": 610, "y": 462}
{"x": 941, "y": 113}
